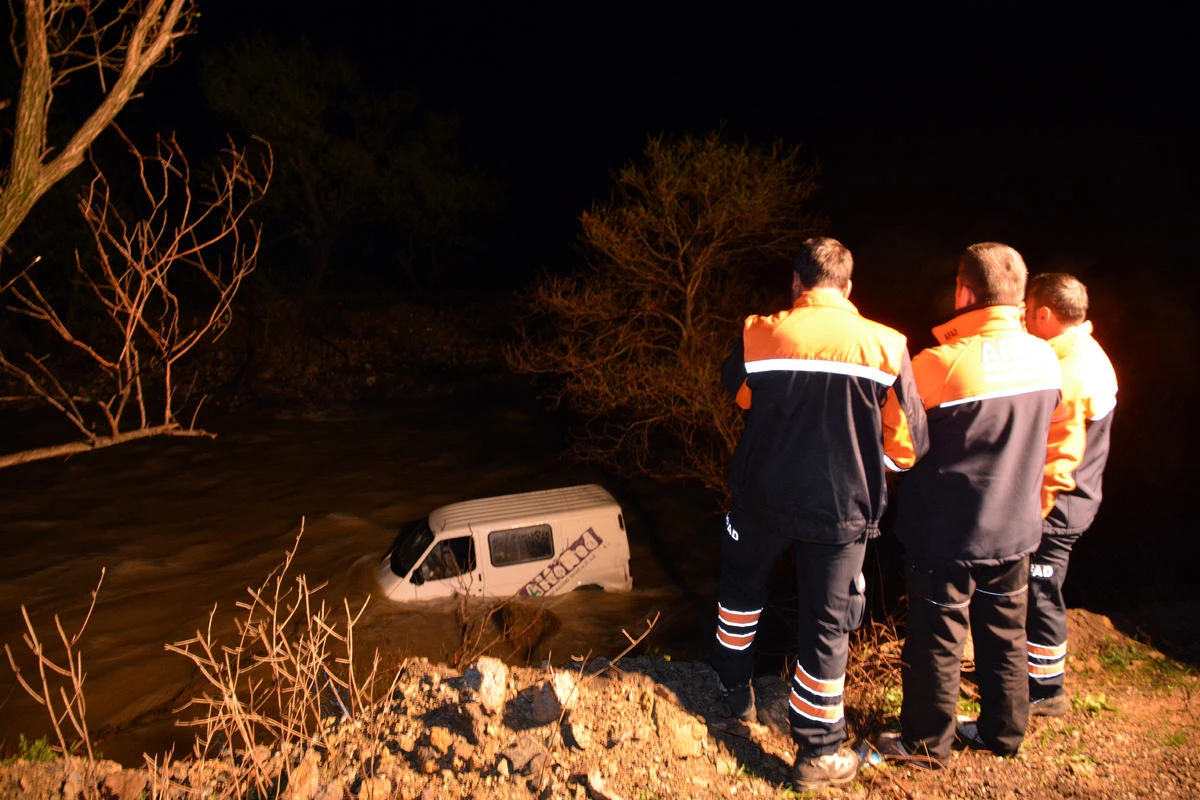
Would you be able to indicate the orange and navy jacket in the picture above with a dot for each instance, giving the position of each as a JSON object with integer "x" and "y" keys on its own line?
{"x": 990, "y": 390}
{"x": 1071, "y": 497}
{"x": 830, "y": 396}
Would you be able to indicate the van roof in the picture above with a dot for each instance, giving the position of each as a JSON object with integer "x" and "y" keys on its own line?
{"x": 513, "y": 509}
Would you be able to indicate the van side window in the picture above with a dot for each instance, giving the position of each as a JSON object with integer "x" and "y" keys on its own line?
{"x": 449, "y": 558}
{"x": 521, "y": 545}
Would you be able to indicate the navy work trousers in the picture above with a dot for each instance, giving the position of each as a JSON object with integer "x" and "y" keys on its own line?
{"x": 943, "y": 601}
{"x": 1046, "y": 623}
{"x": 830, "y": 604}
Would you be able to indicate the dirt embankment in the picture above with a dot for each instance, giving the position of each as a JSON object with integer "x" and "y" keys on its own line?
{"x": 652, "y": 728}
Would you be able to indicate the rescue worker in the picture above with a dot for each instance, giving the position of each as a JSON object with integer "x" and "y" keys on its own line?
{"x": 1056, "y": 306}
{"x": 969, "y": 515}
{"x": 830, "y": 399}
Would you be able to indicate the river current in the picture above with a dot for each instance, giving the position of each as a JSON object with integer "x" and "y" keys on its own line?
{"x": 180, "y": 526}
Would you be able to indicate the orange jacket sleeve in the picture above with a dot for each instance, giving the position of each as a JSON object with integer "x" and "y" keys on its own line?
{"x": 905, "y": 430}
{"x": 1064, "y": 448}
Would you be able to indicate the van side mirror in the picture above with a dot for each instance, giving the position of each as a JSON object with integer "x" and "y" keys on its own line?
{"x": 417, "y": 578}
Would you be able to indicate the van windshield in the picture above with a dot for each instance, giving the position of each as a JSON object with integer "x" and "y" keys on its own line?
{"x": 414, "y": 538}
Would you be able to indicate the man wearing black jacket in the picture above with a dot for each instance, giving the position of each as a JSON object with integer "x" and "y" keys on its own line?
{"x": 970, "y": 513}
{"x": 831, "y": 403}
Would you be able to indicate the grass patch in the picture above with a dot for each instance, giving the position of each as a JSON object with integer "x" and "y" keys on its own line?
{"x": 34, "y": 750}
{"x": 1118, "y": 656}
{"x": 1167, "y": 672}
{"x": 1143, "y": 663}
{"x": 1177, "y": 739}
{"x": 1083, "y": 762}
{"x": 1091, "y": 704}
{"x": 1056, "y": 731}
{"x": 893, "y": 697}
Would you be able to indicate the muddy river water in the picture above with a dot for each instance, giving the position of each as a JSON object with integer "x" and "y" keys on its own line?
{"x": 179, "y": 526}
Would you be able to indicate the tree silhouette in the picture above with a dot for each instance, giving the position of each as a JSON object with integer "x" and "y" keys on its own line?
{"x": 350, "y": 160}
{"x": 677, "y": 258}
{"x": 58, "y": 41}
{"x": 158, "y": 284}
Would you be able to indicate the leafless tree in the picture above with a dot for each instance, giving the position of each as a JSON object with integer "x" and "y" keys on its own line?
{"x": 57, "y": 40}
{"x": 164, "y": 282}
{"x": 681, "y": 254}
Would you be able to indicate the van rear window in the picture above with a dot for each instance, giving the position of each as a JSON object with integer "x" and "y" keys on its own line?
{"x": 521, "y": 545}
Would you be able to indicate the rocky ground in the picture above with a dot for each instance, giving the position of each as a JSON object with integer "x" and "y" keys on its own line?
{"x": 643, "y": 728}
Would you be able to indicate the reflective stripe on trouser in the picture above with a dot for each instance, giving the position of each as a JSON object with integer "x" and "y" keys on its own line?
{"x": 830, "y": 604}
{"x": 1046, "y": 622}
{"x": 942, "y": 602}
{"x": 816, "y": 699}
{"x": 736, "y": 628}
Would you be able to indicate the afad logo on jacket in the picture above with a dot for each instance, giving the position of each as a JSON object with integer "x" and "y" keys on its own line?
{"x": 578, "y": 553}
{"x": 1014, "y": 359}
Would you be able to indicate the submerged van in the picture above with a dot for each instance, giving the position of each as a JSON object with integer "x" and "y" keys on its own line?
{"x": 531, "y": 544}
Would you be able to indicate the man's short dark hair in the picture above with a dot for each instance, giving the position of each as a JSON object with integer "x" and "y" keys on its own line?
{"x": 995, "y": 273}
{"x": 1062, "y": 293}
{"x": 823, "y": 261}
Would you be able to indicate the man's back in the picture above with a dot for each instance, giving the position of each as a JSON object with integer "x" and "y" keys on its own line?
{"x": 989, "y": 390}
{"x": 812, "y": 455}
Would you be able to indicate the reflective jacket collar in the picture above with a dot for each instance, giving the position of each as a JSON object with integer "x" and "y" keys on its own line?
{"x": 1069, "y": 339}
{"x": 827, "y": 299}
{"x": 989, "y": 319}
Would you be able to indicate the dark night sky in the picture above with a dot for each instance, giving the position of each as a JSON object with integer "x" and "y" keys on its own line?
{"x": 1066, "y": 132}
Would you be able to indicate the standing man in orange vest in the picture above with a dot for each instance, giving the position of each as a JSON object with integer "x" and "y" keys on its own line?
{"x": 969, "y": 516}
{"x": 1056, "y": 306}
{"x": 831, "y": 404}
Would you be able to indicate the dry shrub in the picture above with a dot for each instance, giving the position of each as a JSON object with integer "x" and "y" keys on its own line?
{"x": 873, "y": 677}
{"x": 699, "y": 232}
{"x": 269, "y": 696}
{"x": 59, "y": 684}
{"x": 521, "y": 626}
{"x": 291, "y": 666}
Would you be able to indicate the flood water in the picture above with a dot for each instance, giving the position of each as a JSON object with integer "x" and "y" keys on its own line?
{"x": 182, "y": 525}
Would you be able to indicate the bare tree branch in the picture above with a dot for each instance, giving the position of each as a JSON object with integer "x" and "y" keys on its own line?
{"x": 164, "y": 282}
{"x": 62, "y": 37}
{"x": 676, "y": 259}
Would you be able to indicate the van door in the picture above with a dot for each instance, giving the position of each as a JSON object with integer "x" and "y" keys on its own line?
{"x": 450, "y": 566}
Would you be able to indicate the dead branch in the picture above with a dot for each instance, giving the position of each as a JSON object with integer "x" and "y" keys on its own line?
{"x": 676, "y": 261}
{"x": 61, "y": 37}
{"x": 290, "y": 667}
{"x": 164, "y": 283}
{"x": 59, "y": 684}
{"x": 74, "y": 448}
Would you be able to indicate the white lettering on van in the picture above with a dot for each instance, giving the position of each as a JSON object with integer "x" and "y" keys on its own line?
{"x": 574, "y": 556}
